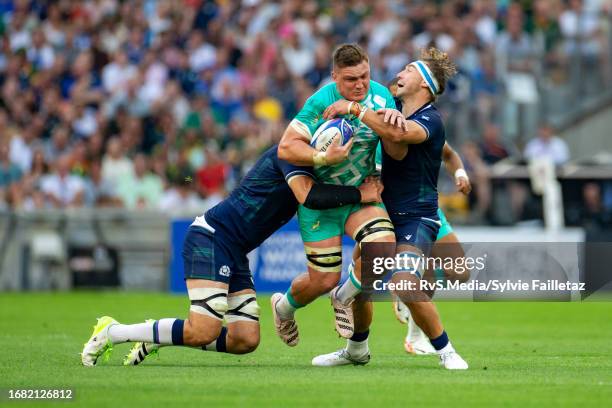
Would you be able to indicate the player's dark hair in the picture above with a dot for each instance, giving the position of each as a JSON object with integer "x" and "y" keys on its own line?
{"x": 349, "y": 55}
{"x": 440, "y": 65}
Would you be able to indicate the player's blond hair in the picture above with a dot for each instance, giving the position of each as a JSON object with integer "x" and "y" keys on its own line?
{"x": 440, "y": 65}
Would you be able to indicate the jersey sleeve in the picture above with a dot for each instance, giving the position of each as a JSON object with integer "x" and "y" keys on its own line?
{"x": 310, "y": 116}
{"x": 432, "y": 123}
{"x": 289, "y": 170}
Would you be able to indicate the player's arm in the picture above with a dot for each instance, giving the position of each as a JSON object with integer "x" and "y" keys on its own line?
{"x": 395, "y": 129}
{"x": 295, "y": 148}
{"x": 319, "y": 196}
{"x": 454, "y": 166}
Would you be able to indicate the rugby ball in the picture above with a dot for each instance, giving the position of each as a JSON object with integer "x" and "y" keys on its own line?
{"x": 333, "y": 131}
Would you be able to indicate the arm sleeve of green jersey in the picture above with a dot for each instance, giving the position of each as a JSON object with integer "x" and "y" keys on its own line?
{"x": 307, "y": 120}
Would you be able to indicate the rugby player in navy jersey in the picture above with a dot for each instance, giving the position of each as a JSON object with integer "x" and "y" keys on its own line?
{"x": 412, "y": 154}
{"x": 219, "y": 282}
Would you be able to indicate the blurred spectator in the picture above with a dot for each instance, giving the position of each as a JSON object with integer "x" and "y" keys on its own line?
{"x": 98, "y": 191}
{"x": 211, "y": 177}
{"x": 115, "y": 164}
{"x": 180, "y": 197}
{"x": 492, "y": 149}
{"x": 62, "y": 189}
{"x": 479, "y": 174}
{"x": 547, "y": 145}
{"x": 142, "y": 189}
{"x": 10, "y": 175}
{"x": 58, "y": 145}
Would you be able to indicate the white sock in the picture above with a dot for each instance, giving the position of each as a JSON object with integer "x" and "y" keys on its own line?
{"x": 350, "y": 288}
{"x": 285, "y": 309}
{"x": 357, "y": 348}
{"x": 159, "y": 332}
{"x": 448, "y": 348}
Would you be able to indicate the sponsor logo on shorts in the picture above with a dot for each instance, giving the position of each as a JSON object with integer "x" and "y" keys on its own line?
{"x": 408, "y": 237}
{"x": 316, "y": 225}
{"x": 224, "y": 271}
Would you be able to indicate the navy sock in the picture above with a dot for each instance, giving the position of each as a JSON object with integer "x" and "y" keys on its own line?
{"x": 360, "y": 336}
{"x": 440, "y": 342}
{"x": 221, "y": 346}
{"x": 177, "y": 332}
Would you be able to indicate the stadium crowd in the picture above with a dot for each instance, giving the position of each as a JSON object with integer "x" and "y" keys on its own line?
{"x": 164, "y": 104}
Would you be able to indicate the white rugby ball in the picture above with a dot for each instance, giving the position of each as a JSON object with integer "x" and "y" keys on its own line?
{"x": 333, "y": 131}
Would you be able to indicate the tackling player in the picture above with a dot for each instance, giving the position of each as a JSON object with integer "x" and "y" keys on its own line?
{"x": 411, "y": 162}
{"x": 447, "y": 246}
{"x": 322, "y": 230}
{"x": 217, "y": 274}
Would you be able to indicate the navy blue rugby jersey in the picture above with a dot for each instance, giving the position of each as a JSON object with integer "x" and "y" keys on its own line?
{"x": 411, "y": 184}
{"x": 261, "y": 204}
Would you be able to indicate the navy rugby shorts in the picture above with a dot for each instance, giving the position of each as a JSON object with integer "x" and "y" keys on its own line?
{"x": 207, "y": 256}
{"x": 417, "y": 231}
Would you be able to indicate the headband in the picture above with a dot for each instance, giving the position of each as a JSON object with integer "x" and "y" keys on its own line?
{"x": 427, "y": 76}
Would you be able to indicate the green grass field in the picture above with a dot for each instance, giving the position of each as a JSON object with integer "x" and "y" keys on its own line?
{"x": 520, "y": 354}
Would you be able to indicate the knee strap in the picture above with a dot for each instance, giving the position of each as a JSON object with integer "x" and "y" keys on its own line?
{"x": 210, "y": 302}
{"x": 414, "y": 266}
{"x": 373, "y": 230}
{"x": 324, "y": 259}
{"x": 242, "y": 308}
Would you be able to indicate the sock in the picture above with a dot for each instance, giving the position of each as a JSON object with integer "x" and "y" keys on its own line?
{"x": 442, "y": 344}
{"x": 287, "y": 306}
{"x": 350, "y": 288}
{"x": 163, "y": 331}
{"x": 357, "y": 346}
{"x": 219, "y": 344}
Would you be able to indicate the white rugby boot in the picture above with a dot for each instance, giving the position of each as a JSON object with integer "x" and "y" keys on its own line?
{"x": 451, "y": 360}
{"x": 139, "y": 352}
{"x": 340, "y": 358}
{"x": 416, "y": 341}
{"x": 287, "y": 330}
{"x": 98, "y": 345}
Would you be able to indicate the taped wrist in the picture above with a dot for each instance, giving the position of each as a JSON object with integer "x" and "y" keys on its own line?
{"x": 324, "y": 196}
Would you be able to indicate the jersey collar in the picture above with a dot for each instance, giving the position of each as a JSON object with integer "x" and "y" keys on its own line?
{"x": 422, "y": 108}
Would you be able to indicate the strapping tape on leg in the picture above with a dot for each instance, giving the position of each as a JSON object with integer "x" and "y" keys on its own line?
{"x": 409, "y": 263}
{"x": 242, "y": 308}
{"x": 374, "y": 229}
{"x": 210, "y": 302}
{"x": 324, "y": 259}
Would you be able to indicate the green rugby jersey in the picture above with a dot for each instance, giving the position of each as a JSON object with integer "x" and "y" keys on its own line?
{"x": 360, "y": 163}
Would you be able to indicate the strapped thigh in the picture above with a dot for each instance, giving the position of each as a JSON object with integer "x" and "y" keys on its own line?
{"x": 324, "y": 259}
{"x": 242, "y": 308}
{"x": 372, "y": 230}
{"x": 211, "y": 302}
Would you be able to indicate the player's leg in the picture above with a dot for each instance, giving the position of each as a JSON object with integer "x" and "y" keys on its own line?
{"x": 240, "y": 335}
{"x": 368, "y": 224}
{"x": 321, "y": 232}
{"x": 208, "y": 304}
{"x": 447, "y": 246}
{"x": 207, "y": 287}
{"x": 423, "y": 311}
{"x": 324, "y": 266}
